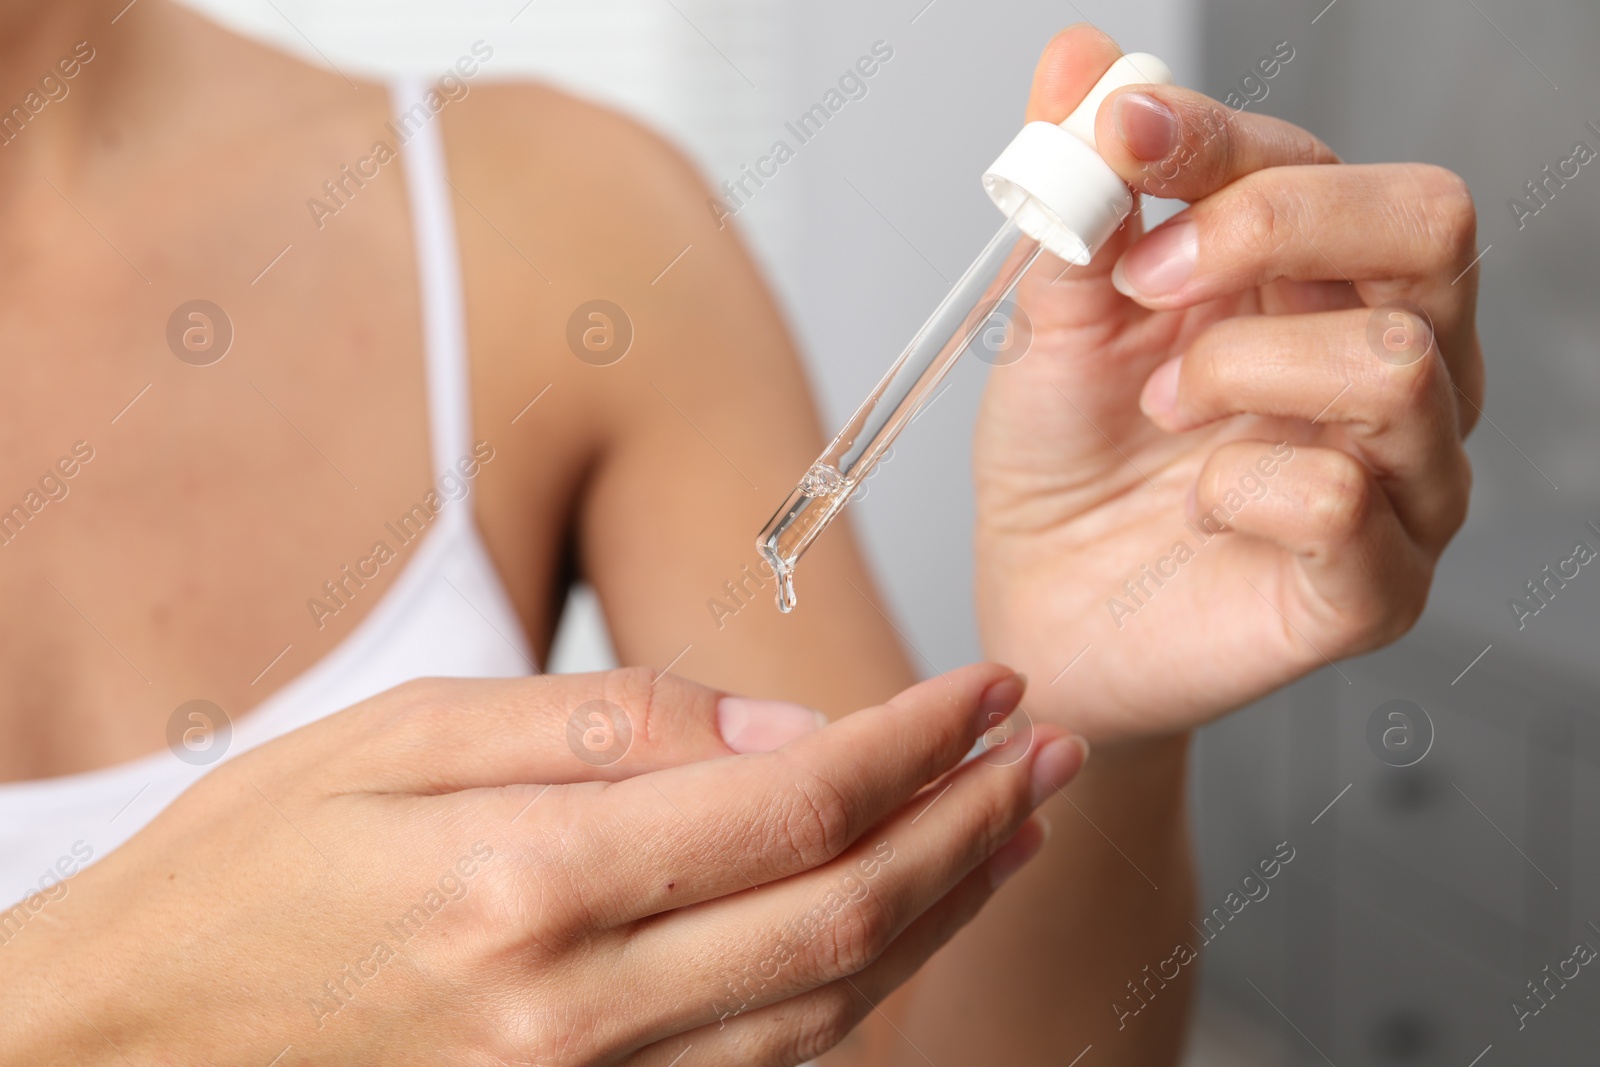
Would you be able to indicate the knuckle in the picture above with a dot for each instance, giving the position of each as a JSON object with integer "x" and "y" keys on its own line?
{"x": 815, "y": 823}
{"x": 857, "y": 935}
{"x": 1211, "y": 490}
{"x": 551, "y": 907}
{"x": 630, "y": 680}
{"x": 1303, "y": 149}
{"x": 1257, "y": 217}
{"x": 1339, "y": 496}
{"x": 502, "y": 896}
{"x": 632, "y": 687}
{"x": 832, "y": 1012}
{"x": 499, "y": 895}
{"x": 1412, "y": 381}
{"x": 994, "y": 816}
{"x": 635, "y": 691}
{"x": 1452, "y": 215}
{"x": 1418, "y": 384}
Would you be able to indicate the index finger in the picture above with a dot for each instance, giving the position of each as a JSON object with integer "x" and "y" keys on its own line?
{"x": 686, "y": 834}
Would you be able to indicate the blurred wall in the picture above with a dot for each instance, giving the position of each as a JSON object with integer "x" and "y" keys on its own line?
{"x": 1425, "y": 899}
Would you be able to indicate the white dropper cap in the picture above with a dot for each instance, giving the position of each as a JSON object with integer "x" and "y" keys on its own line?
{"x": 1052, "y": 181}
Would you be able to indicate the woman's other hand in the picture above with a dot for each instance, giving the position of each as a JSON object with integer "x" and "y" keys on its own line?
{"x": 1234, "y": 451}
{"x": 538, "y": 871}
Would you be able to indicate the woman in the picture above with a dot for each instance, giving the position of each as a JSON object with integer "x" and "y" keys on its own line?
{"x": 327, "y": 480}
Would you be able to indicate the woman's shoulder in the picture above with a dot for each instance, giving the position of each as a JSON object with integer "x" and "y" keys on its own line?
{"x": 578, "y": 169}
{"x": 562, "y": 202}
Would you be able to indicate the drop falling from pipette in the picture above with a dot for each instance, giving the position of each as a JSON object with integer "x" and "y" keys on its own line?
{"x": 786, "y": 599}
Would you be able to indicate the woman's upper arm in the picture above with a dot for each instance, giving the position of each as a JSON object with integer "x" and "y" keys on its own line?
{"x": 691, "y": 438}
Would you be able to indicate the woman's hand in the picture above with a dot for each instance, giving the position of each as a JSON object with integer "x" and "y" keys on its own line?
{"x": 1238, "y": 455}
{"x": 386, "y": 886}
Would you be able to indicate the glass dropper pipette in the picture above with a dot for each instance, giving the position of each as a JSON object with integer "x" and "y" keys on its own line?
{"x": 894, "y": 402}
{"x": 1058, "y": 195}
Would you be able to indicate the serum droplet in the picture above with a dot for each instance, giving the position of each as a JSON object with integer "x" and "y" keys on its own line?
{"x": 786, "y": 599}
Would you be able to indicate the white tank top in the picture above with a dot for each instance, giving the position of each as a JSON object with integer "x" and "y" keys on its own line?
{"x": 447, "y": 613}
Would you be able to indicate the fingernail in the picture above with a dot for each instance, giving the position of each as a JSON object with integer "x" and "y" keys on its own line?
{"x": 1160, "y": 395}
{"x": 764, "y": 725}
{"x": 1014, "y": 855}
{"x": 1146, "y": 125}
{"x": 1057, "y": 764}
{"x": 1160, "y": 263}
{"x": 1000, "y": 700}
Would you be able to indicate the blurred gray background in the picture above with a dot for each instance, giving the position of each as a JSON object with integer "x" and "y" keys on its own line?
{"x": 1431, "y": 894}
{"x": 1421, "y": 899}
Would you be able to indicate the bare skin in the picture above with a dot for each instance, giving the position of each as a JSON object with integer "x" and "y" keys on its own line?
{"x": 215, "y": 505}
{"x": 456, "y": 914}
{"x": 229, "y": 519}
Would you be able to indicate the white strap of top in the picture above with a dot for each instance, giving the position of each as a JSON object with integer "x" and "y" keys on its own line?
{"x": 438, "y": 263}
